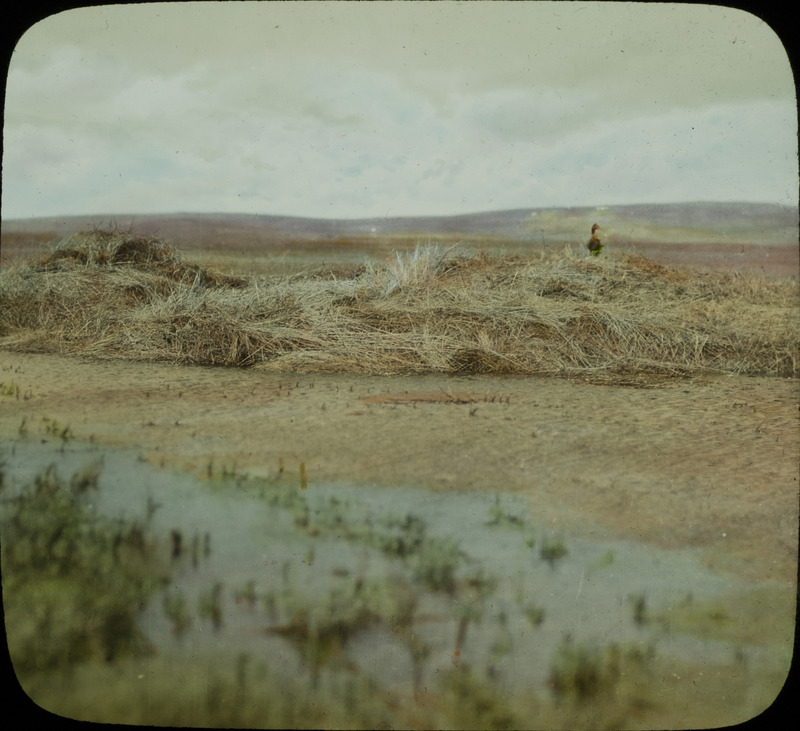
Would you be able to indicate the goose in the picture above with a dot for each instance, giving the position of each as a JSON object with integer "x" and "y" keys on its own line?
{"x": 594, "y": 245}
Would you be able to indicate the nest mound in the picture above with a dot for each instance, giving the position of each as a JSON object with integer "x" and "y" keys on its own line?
{"x": 116, "y": 249}
{"x": 620, "y": 318}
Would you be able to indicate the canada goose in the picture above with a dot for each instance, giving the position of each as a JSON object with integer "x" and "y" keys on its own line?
{"x": 594, "y": 245}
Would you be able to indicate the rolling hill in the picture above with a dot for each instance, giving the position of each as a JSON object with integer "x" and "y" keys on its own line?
{"x": 675, "y": 233}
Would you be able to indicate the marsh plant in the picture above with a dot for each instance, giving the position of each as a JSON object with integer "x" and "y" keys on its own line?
{"x": 434, "y": 561}
{"x": 55, "y": 428}
{"x": 435, "y": 564}
{"x": 473, "y": 703}
{"x": 534, "y": 614}
{"x": 321, "y": 628}
{"x": 638, "y": 604}
{"x": 499, "y": 516}
{"x": 581, "y": 670}
{"x": 73, "y": 581}
{"x": 87, "y": 478}
{"x": 9, "y": 390}
{"x": 176, "y": 610}
{"x": 209, "y": 605}
{"x": 552, "y": 550}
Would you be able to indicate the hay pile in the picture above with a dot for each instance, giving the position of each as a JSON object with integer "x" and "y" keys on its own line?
{"x": 617, "y": 318}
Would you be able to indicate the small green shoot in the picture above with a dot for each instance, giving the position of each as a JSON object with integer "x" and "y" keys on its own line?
{"x": 9, "y": 390}
{"x": 500, "y": 517}
{"x": 552, "y": 550}
{"x": 55, "y": 428}
{"x": 638, "y": 604}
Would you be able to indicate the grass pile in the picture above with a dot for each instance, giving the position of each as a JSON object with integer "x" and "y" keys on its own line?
{"x": 617, "y": 318}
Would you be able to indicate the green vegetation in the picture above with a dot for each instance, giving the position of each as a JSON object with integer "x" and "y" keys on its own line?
{"x": 581, "y": 670}
{"x": 321, "y": 629}
{"x": 54, "y": 428}
{"x": 210, "y": 692}
{"x": 498, "y": 516}
{"x": 73, "y": 582}
{"x": 552, "y": 549}
{"x": 617, "y": 318}
{"x": 638, "y": 604}
{"x": 767, "y": 611}
{"x": 434, "y": 561}
{"x": 9, "y": 390}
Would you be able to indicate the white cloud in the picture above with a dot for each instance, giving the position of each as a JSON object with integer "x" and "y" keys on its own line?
{"x": 274, "y": 125}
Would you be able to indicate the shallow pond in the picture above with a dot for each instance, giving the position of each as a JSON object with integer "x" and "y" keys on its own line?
{"x": 398, "y": 585}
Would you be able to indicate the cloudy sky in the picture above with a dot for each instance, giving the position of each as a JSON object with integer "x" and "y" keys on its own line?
{"x": 340, "y": 110}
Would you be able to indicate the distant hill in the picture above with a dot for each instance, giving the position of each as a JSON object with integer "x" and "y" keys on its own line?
{"x": 769, "y": 223}
{"x": 507, "y": 224}
{"x": 663, "y": 230}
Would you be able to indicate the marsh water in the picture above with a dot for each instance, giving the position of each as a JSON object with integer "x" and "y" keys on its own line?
{"x": 411, "y": 582}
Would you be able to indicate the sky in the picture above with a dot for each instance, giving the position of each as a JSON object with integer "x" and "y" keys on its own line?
{"x": 356, "y": 110}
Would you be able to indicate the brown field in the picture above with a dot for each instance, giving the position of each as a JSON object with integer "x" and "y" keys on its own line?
{"x": 650, "y": 394}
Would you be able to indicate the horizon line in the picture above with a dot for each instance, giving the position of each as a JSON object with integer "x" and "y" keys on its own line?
{"x": 484, "y": 212}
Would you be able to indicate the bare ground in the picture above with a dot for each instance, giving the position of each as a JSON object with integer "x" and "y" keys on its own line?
{"x": 710, "y": 463}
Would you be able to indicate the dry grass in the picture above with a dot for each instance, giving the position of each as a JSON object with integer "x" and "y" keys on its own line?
{"x": 618, "y": 318}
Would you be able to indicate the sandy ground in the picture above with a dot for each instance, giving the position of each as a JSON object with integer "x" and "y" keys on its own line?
{"x": 710, "y": 463}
